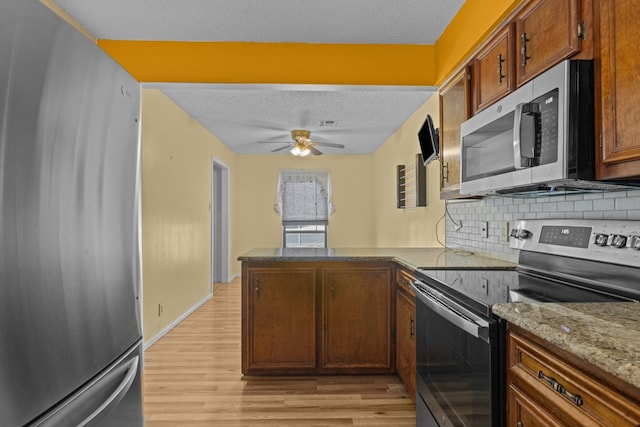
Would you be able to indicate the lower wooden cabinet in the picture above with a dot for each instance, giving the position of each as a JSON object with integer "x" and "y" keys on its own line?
{"x": 281, "y": 325}
{"x": 550, "y": 387}
{"x": 356, "y": 313}
{"x": 317, "y": 317}
{"x": 406, "y": 340}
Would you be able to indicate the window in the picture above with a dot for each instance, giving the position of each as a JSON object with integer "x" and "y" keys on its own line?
{"x": 303, "y": 201}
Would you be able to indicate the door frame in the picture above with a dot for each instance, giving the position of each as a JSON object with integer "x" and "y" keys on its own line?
{"x": 220, "y": 227}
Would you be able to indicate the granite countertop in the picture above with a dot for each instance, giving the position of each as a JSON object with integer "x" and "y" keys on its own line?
{"x": 411, "y": 258}
{"x": 606, "y": 335}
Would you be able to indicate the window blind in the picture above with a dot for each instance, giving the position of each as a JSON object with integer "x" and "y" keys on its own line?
{"x": 304, "y": 196}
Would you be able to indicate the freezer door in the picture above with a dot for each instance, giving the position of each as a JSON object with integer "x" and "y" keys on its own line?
{"x": 112, "y": 399}
{"x": 69, "y": 245}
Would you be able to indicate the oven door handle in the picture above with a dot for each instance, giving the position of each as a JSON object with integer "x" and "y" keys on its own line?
{"x": 457, "y": 315}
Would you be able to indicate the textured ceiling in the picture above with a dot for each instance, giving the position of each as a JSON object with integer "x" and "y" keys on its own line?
{"x": 255, "y": 119}
{"x": 243, "y": 115}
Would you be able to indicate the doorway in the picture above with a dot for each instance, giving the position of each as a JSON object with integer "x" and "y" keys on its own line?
{"x": 220, "y": 232}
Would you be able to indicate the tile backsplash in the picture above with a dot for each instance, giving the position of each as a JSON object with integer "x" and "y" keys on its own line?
{"x": 499, "y": 210}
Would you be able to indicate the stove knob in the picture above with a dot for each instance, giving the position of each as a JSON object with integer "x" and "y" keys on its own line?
{"x": 635, "y": 242}
{"x": 601, "y": 239}
{"x": 619, "y": 241}
{"x": 520, "y": 234}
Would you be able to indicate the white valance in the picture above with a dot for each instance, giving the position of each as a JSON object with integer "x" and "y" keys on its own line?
{"x": 304, "y": 195}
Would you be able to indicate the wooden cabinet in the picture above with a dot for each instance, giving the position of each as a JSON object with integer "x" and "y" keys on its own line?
{"x": 317, "y": 317}
{"x": 549, "y": 387}
{"x": 454, "y": 109}
{"x": 546, "y": 31}
{"x": 494, "y": 69}
{"x": 405, "y": 331}
{"x": 356, "y": 319}
{"x": 280, "y": 320}
{"x": 540, "y": 34}
{"x": 617, "y": 83}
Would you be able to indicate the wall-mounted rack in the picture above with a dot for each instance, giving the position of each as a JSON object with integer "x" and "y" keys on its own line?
{"x": 412, "y": 184}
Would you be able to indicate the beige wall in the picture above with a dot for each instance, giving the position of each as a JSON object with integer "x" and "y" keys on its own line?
{"x": 257, "y": 225}
{"x": 176, "y": 218}
{"x": 414, "y": 227}
{"x": 176, "y": 193}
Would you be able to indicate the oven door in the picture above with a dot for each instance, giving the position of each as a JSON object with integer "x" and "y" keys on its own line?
{"x": 459, "y": 372}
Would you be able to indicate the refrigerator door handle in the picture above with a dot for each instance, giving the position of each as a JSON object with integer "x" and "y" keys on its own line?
{"x": 74, "y": 411}
{"x": 117, "y": 394}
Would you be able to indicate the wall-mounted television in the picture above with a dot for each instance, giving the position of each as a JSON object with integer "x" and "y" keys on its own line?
{"x": 429, "y": 138}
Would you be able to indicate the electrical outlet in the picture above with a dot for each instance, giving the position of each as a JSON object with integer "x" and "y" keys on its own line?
{"x": 504, "y": 232}
{"x": 160, "y": 310}
{"x": 485, "y": 229}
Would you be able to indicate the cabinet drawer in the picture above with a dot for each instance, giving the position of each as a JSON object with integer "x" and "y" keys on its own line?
{"x": 567, "y": 392}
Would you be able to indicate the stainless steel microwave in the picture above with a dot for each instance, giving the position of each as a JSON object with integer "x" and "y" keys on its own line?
{"x": 539, "y": 138}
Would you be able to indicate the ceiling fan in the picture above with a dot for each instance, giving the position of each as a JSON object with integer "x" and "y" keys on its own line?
{"x": 301, "y": 144}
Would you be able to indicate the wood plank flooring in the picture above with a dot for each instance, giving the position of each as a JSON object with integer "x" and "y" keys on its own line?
{"x": 192, "y": 378}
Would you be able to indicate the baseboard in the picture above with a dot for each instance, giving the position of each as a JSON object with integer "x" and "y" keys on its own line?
{"x": 176, "y": 322}
{"x": 235, "y": 276}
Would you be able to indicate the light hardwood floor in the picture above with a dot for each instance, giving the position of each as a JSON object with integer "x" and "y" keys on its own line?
{"x": 192, "y": 378}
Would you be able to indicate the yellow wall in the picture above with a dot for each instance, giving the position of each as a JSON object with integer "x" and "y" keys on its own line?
{"x": 176, "y": 220}
{"x": 176, "y": 170}
{"x": 257, "y": 225}
{"x": 413, "y": 227}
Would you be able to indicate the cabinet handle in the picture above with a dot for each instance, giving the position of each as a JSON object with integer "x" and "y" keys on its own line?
{"x": 257, "y": 288}
{"x": 333, "y": 290}
{"x": 500, "y": 61}
{"x": 523, "y": 50}
{"x": 411, "y": 325}
{"x": 575, "y": 398}
{"x": 519, "y": 424}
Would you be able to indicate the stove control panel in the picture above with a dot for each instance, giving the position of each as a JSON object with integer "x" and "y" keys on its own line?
{"x": 603, "y": 240}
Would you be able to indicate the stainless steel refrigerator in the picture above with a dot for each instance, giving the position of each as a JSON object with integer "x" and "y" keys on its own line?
{"x": 70, "y": 272}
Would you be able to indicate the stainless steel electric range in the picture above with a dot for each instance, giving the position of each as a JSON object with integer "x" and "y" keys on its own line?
{"x": 461, "y": 344}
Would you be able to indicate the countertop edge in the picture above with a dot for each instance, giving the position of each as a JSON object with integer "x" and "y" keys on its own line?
{"x": 580, "y": 329}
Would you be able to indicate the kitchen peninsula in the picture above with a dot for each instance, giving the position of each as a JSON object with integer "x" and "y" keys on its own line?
{"x": 332, "y": 310}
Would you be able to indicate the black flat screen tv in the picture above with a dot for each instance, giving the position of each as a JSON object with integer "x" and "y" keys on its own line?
{"x": 429, "y": 138}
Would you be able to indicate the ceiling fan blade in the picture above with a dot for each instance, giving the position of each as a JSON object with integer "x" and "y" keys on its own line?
{"x": 328, "y": 144}
{"x": 281, "y": 148}
{"x": 314, "y": 150}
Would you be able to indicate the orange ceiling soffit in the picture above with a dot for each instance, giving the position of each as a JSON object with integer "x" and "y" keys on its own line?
{"x": 467, "y": 29}
{"x": 276, "y": 63}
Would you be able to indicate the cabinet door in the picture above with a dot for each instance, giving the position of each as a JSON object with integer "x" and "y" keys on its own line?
{"x": 356, "y": 317}
{"x": 493, "y": 69}
{"x": 547, "y": 32}
{"x": 617, "y": 83}
{"x": 281, "y": 331}
{"x": 406, "y": 341}
{"x": 454, "y": 109}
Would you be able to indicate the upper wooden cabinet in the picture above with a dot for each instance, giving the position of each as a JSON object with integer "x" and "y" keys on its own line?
{"x": 539, "y": 35}
{"x": 617, "y": 84}
{"x": 494, "y": 69}
{"x": 547, "y": 31}
{"x": 454, "y": 109}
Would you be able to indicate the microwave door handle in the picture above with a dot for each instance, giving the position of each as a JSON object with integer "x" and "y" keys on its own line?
{"x": 525, "y": 152}
{"x": 517, "y": 144}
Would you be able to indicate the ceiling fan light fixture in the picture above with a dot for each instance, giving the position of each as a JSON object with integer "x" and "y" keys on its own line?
{"x": 300, "y": 150}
